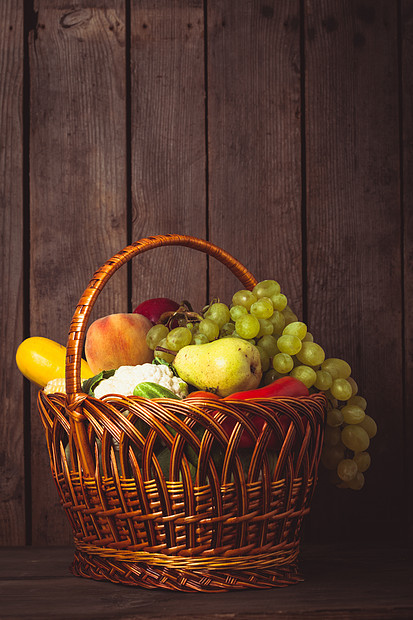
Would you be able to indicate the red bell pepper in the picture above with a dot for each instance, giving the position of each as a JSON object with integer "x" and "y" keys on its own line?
{"x": 286, "y": 386}
{"x": 283, "y": 387}
{"x": 280, "y": 388}
{"x": 203, "y": 394}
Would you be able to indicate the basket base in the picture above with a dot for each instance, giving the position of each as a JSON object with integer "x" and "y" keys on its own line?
{"x": 146, "y": 576}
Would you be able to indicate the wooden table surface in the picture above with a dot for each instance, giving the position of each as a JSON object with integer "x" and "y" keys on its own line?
{"x": 340, "y": 582}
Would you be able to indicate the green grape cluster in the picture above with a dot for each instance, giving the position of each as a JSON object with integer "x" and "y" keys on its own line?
{"x": 263, "y": 317}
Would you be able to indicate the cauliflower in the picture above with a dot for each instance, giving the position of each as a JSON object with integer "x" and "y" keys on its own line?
{"x": 126, "y": 378}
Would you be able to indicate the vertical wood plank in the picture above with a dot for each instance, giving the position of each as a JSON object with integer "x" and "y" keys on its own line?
{"x": 353, "y": 218}
{"x": 254, "y": 141}
{"x": 12, "y": 483}
{"x": 168, "y": 145}
{"x": 78, "y": 213}
{"x": 407, "y": 194}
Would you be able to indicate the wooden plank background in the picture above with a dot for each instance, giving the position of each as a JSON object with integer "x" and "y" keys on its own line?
{"x": 352, "y": 154}
{"x": 12, "y": 478}
{"x": 406, "y": 193}
{"x": 281, "y": 131}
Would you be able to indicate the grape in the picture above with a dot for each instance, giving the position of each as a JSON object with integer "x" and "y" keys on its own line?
{"x": 283, "y": 363}
{"x": 218, "y": 313}
{"x": 269, "y": 343}
{"x": 266, "y": 328}
{"x": 357, "y": 482}
{"x": 363, "y": 460}
{"x": 332, "y": 455}
{"x": 178, "y": 338}
{"x": 247, "y": 326}
{"x": 338, "y": 369}
{"x": 199, "y": 339}
{"x": 265, "y": 358}
{"x": 237, "y": 311}
{"x": 263, "y": 318}
{"x": 369, "y": 425}
{"x": 354, "y": 385}
{"x": 324, "y": 380}
{"x": 209, "y": 328}
{"x": 266, "y": 288}
{"x": 359, "y": 401}
{"x": 355, "y": 438}
{"x": 333, "y": 401}
{"x": 155, "y": 335}
{"x": 311, "y": 353}
{"x": 296, "y": 328}
{"x": 341, "y": 389}
{"x": 289, "y": 344}
{"x": 262, "y": 309}
{"x": 347, "y": 469}
{"x": 167, "y": 357}
{"x": 332, "y": 436}
{"x": 271, "y": 375}
{"x": 278, "y": 321}
{"x": 279, "y": 301}
{"x": 289, "y": 315}
{"x": 305, "y": 374}
{"x": 227, "y": 330}
{"x": 244, "y": 298}
{"x": 334, "y": 417}
{"x": 353, "y": 414}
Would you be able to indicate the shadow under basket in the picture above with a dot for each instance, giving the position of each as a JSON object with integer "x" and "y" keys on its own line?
{"x": 159, "y": 495}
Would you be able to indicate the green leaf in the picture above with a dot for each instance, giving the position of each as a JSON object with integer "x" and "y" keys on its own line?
{"x": 160, "y": 362}
{"x": 89, "y": 385}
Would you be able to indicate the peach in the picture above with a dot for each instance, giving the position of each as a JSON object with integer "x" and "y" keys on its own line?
{"x": 117, "y": 340}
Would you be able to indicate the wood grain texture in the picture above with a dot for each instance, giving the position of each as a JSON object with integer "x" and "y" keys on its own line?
{"x": 340, "y": 582}
{"x": 194, "y": 125}
{"x": 78, "y": 187}
{"x": 407, "y": 195}
{"x": 353, "y": 231}
{"x": 254, "y": 141}
{"x": 168, "y": 145}
{"x": 12, "y": 483}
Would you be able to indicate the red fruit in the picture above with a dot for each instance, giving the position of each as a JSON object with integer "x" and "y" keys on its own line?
{"x": 203, "y": 394}
{"x": 283, "y": 387}
{"x": 154, "y": 308}
{"x": 286, "y": 386}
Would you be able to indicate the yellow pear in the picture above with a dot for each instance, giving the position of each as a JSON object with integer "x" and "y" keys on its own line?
{"x": 223, "y": 366}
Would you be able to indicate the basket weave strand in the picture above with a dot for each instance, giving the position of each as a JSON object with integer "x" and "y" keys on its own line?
{"x": 159, "y": 495}
{"x": 184, "y": 580}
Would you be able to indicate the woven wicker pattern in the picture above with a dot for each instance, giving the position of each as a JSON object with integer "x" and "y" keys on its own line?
{"x": 158, "y": 495}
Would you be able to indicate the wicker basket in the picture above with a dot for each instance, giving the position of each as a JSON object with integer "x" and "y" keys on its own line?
{"x": 215, "y": 517}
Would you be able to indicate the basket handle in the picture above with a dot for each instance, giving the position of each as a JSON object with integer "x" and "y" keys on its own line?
{"x": 80, "y": 318}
